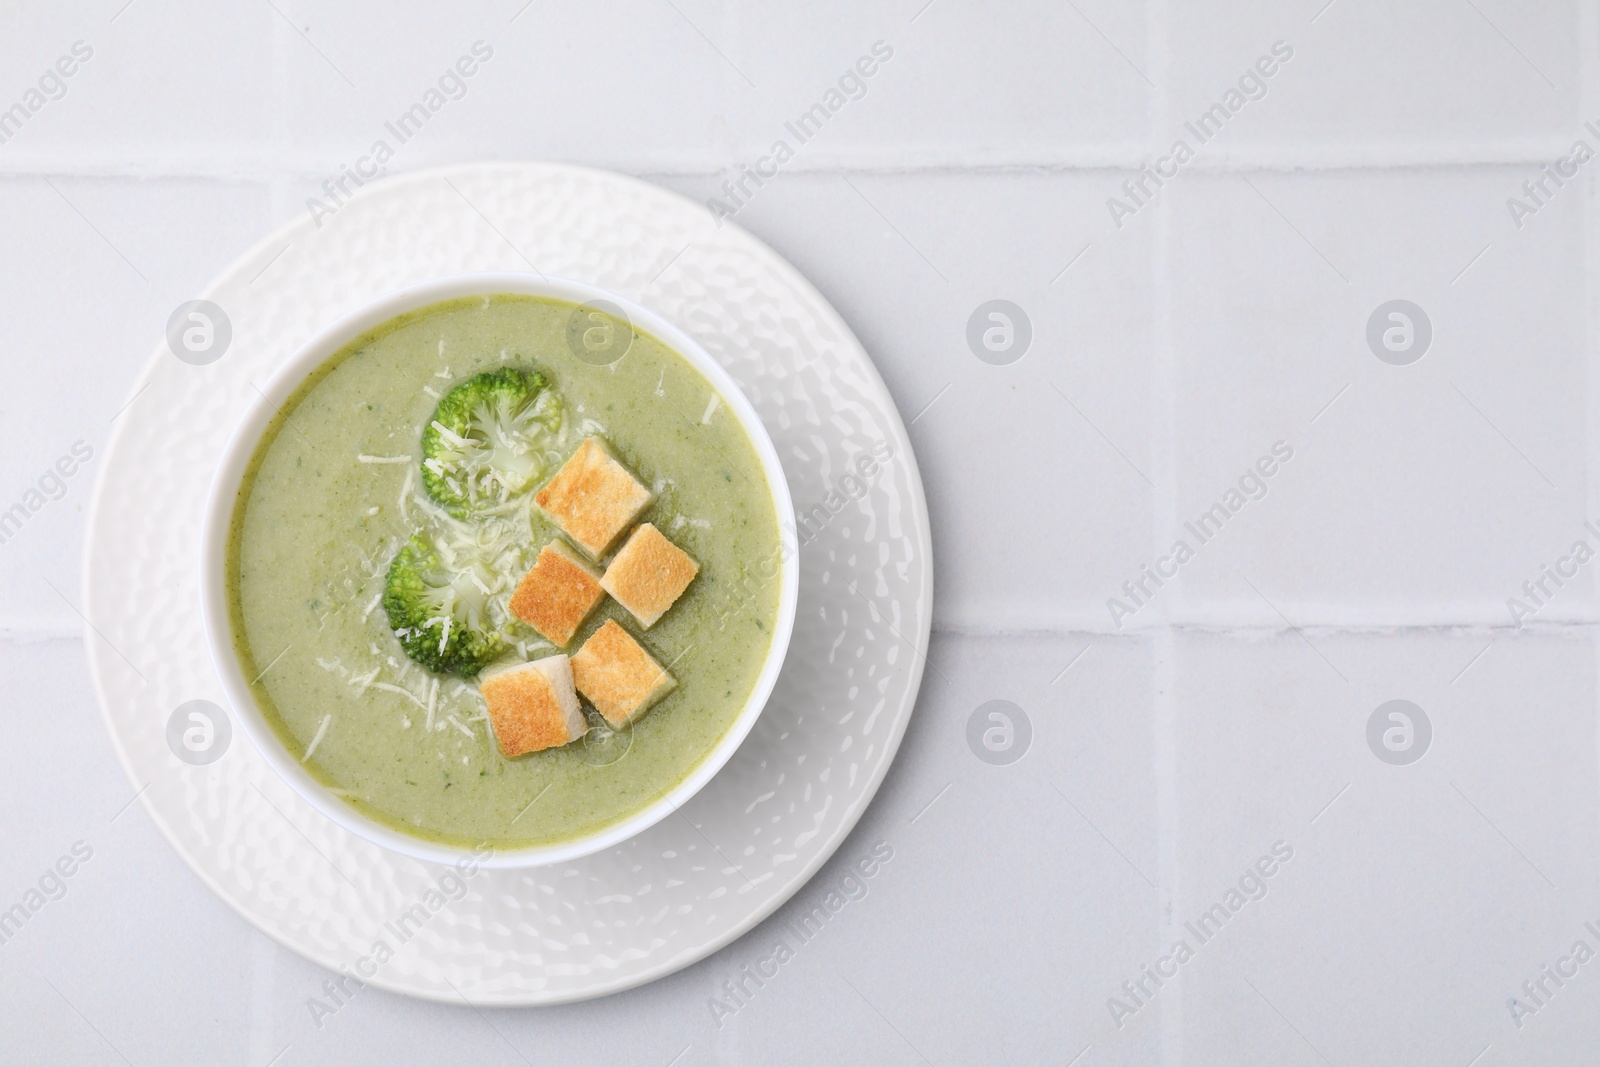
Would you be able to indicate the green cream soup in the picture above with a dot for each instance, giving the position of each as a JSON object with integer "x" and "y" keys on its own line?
{"x": 334, "y": 490}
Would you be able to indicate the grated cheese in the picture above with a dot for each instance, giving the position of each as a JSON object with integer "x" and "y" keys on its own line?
{"x": 317, "y": 740}
{"x": 408, "y": 694}
{"x": 449, "y": 434}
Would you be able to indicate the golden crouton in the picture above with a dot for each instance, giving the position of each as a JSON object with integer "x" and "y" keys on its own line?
{"x": 648, "y": 574}
{"x": 533, "y": 706}
{"x": 593, "y": 498}
{"x": 618, "y": 676}
{"x": 557, "y": 594}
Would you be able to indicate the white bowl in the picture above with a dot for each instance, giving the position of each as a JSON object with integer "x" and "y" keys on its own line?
{"x": 219, "y": 514}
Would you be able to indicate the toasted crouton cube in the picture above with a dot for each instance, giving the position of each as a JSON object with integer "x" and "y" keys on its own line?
{"x": 593, "y": 498}
{"x": 557, "y": 594}
{"x": 533, "y": 706}
{"x": 648, "y": 574}
{"x": 618, "y": 676}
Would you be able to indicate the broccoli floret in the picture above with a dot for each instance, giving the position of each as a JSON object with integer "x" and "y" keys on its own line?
{"x": 439, "y": 601}
{"x": 491, "y": 438}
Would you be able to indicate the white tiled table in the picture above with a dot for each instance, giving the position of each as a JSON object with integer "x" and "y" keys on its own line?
{"x": 1227, "y": 714}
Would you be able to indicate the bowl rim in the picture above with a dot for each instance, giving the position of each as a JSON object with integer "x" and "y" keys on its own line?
{"x": 241, "y": 447}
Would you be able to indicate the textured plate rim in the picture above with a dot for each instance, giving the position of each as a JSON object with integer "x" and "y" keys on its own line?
{"x": 782, "y": 893}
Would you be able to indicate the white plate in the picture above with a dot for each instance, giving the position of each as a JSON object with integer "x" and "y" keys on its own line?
{"x": 771, "y": 817}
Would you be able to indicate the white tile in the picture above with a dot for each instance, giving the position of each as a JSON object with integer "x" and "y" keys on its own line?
{"x": 1373, "y": 81}
{"x": 90, "y": 270}
{"x": 1036, "y": 472}
{"x": 1419, "y": 897}
{"x": 1024, "y": 912}
{"x": 163, "y": 85}
{"x": 607, "y": 85}
{"x": 1426, "y": 492}
{"x": 701, "y": 86}
{"x": 964, "y": 84}
{"x": 67, "y": 789}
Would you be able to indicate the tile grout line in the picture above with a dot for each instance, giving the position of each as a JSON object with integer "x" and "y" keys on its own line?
{"x": 731, "y": 104}
{"x": 1163, "y": 463}
{"x": 1589, "y": 104}
{"x": 1121, "y": 160}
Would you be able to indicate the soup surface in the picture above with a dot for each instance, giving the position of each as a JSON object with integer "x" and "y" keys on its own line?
{"x": 332, "y": 493}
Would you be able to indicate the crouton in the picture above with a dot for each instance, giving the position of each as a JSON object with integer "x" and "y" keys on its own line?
{"x": 532, "y": 706}
{"x": 648, "y": 574}
{"x": 618, "y": 676}
{"x": 557, "y": 594}
{"x": 593, "y": 498}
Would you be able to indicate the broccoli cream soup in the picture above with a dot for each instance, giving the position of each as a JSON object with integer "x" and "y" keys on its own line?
{"x": 492, "y": 592}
